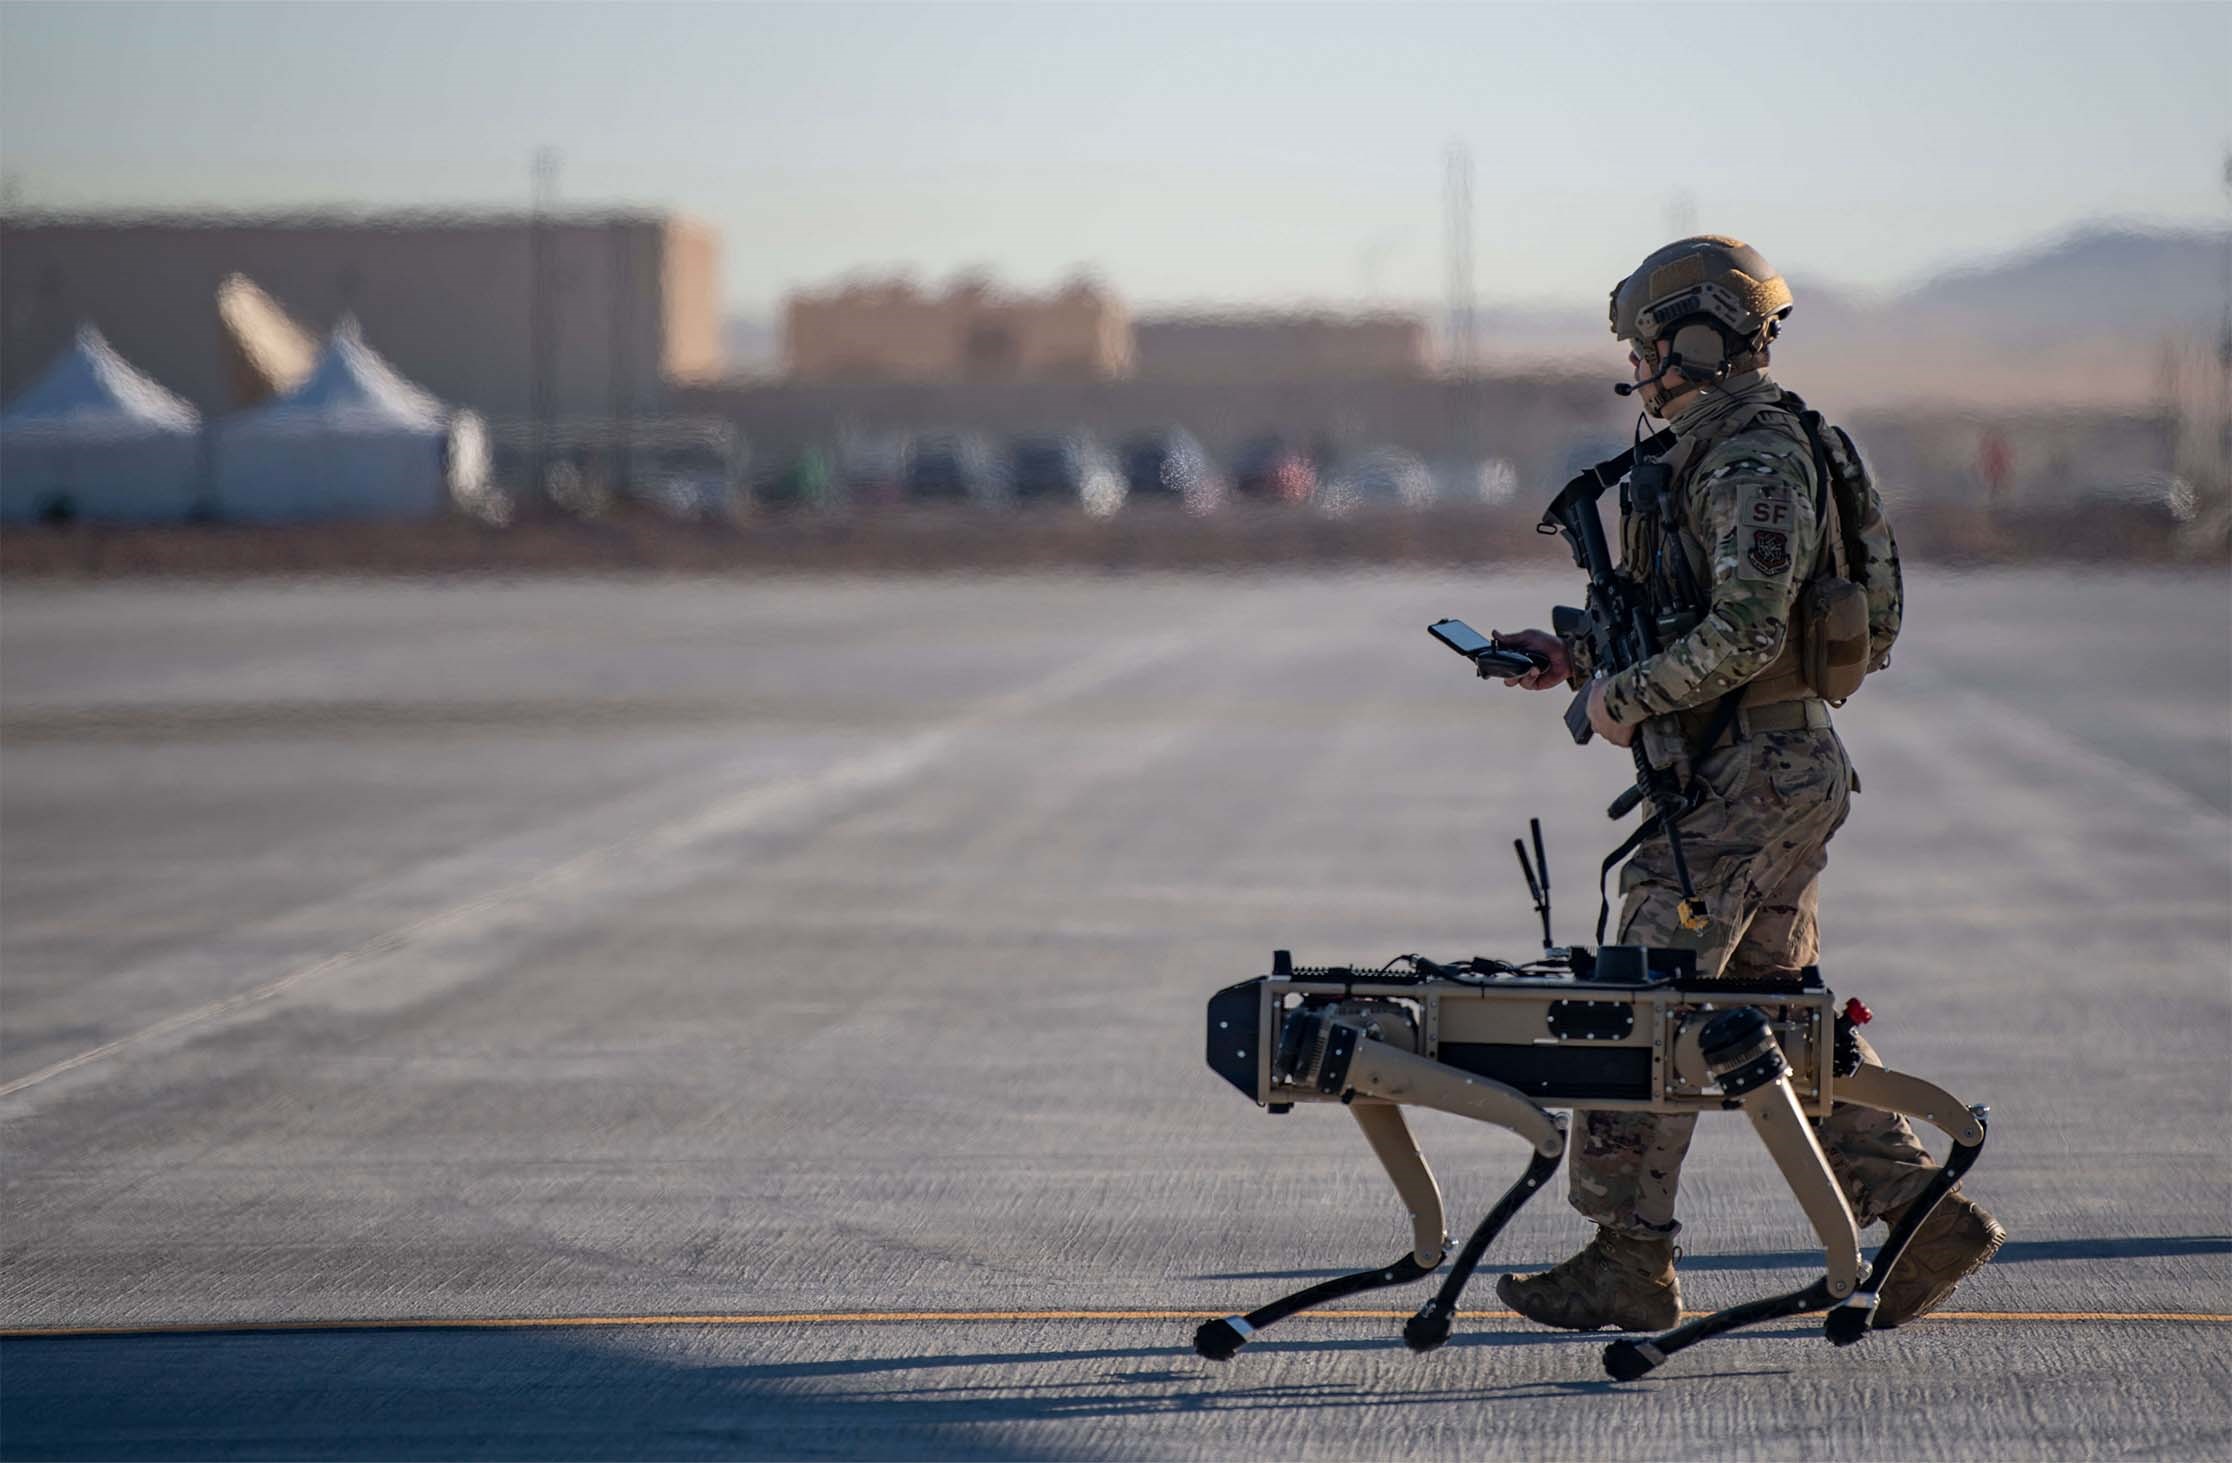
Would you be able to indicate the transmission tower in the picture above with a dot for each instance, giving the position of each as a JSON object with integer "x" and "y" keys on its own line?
{"x": 1457, "y": 217}
{"x": 2224, "y": 331}
{"x": 542, "y": 315}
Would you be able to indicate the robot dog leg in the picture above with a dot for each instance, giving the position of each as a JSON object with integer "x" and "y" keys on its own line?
{"x": 1391, "y": 1139}
{"x": 1742, "y": 1054}
{"x": 1401, "y": 1076}
{"x": 1349, "y": 1056}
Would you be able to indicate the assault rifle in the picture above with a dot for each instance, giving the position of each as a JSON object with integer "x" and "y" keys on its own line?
{"x": 1618, "y": 627}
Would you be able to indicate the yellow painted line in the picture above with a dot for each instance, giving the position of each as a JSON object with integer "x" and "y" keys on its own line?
{"x": 2208, "y": 1318}
{"x": 841, "y": 1318}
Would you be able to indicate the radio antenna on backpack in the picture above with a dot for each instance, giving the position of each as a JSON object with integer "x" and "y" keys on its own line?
{"x": 1537, "y": 874}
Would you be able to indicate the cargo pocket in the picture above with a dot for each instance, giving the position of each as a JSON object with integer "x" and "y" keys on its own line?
{"x": 1803, "y": 771}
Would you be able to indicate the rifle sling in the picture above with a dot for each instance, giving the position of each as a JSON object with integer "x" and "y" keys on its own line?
{"x": 1612, "y": 469}
{"x": 1724, "y": 717}
{"x": 1591, "y": 482}
{"x": 1612, "y": 860}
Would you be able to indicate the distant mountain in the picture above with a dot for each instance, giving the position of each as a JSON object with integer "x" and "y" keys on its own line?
{"x": 2083, "y": 320}
{"x": 2103, "y": 278}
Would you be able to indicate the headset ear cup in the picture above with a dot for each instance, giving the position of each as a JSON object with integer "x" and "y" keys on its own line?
{"x": 1700, "y": 344}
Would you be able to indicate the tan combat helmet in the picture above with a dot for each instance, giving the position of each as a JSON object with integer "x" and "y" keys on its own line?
{"x": 1714, "y": 297}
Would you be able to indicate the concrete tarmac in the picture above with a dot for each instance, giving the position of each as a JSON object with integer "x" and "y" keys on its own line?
{"x": 702, "y": 954}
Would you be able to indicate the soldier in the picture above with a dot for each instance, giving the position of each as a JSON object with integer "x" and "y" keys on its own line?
{"x": 1745, "y": 528}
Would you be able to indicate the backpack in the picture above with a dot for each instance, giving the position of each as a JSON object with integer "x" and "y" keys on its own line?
{"x": 1851, "y": 611}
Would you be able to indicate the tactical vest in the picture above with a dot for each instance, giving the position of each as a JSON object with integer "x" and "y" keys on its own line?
{"x": 1848, "y": 607}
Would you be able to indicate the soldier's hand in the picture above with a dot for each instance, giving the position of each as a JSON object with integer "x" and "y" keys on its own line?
{"x": 1600, "y": 720}
{"x": 1544, "y": 644}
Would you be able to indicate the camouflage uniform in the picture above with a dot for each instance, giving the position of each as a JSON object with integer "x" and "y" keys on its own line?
{"x": 1744, "y": 484}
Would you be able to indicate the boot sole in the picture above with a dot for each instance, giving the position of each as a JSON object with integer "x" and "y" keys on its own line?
{"x": 1943, "y": 1284}
{"x": 1504, "y": 1291}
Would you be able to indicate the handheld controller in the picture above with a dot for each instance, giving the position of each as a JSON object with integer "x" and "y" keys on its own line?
{"x": 1488, "y": 658}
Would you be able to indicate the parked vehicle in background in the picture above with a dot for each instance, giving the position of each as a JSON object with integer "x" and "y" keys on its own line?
{"x": 952, "y": 467}
{"x": 685, "y": 467}
{"x": 1377, "y": 477}
{"x": 1489, "y": 480}
{"x": 1496, "y": 480}
{"x": 2163, "y": 497}
{"x": 1268, "y": 469}
{"x": 1172, "y": 465}
{"x": 698, "y": 480}
{"x": 1067, "y": 468}
{"x": 693, "y": 497}
{"x": 870, "y": 471}
{"x": 804, "y": 480}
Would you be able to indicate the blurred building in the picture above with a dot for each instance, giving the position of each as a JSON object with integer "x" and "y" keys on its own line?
{"x": 611, "y": 308}
{"x": 1313, "y": 346}
{"x": 888, "y": 330}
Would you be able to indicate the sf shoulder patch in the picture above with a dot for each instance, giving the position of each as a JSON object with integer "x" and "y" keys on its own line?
{"x": 1766, "y": 518}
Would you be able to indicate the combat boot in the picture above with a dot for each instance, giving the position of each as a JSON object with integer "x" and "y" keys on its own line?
{"x": 1625, "y": 1281}
{"x": 1952, "y": 1244}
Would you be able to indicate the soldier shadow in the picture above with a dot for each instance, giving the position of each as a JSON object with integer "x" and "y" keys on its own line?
{"x": 1222, "y": 1385}
{"x": 2014, "y": 1252}
{"x": 1177, "y": 1350}
{"x": 430, "y": 1394}
{"x": 406, "y": 1394}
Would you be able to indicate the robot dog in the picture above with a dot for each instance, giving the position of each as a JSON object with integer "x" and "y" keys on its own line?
{"x": 1621, "y": 1027}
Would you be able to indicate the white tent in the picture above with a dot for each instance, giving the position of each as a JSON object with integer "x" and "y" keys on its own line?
{"x": 354, "y": 440}
{"x": 92, "y": 438}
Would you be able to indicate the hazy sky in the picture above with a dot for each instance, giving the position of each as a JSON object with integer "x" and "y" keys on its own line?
{"x": 1195, "y": 154}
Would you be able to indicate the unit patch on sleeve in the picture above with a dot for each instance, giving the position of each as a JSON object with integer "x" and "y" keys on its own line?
{"x": 1765, "y": 518}
{"x": 1769, "y": 551}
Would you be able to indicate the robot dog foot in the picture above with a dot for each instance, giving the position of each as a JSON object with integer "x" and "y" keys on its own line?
{"x": 1222, "y": 1340}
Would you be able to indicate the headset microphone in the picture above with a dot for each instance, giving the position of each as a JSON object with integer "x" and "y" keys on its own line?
{"x": 1629, "y": 388}
{"x": 1674, "y": 362}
